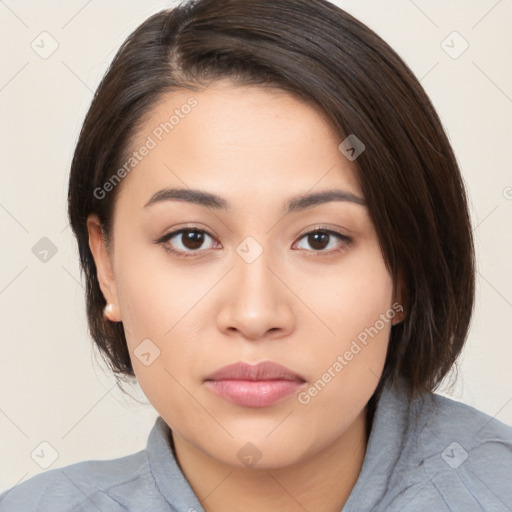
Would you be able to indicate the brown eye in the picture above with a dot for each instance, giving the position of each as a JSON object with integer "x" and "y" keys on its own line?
{"x": 185, "y": 242}
{"x": 321, "y": 239}
{"x": 192, "y": 239}
{"x": 318, "y": 240}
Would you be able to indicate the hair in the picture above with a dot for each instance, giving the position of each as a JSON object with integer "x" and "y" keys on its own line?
{"x": 319, "y": 53}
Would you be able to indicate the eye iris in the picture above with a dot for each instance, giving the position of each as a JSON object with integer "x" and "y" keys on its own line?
{"x": 318, "y": 238}
{"x": 192, "y": 239}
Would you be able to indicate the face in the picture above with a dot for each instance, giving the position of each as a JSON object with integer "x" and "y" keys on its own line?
{"x": 245, "y": 278}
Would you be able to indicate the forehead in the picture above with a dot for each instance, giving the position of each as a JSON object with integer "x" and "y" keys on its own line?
{"x": 244, "y": 141}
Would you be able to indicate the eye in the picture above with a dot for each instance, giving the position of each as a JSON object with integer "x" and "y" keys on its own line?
{"x": 185, "y": 242}
{"x": 321, "y": 240}
{"x": 189, "y": 242}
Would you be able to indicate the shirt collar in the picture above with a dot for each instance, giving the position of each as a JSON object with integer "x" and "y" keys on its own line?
{"x": 168, "y": 476}
{"x": 384, "y": 447}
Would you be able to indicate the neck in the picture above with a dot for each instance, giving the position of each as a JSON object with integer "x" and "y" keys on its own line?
{"x": 321, "y": 482}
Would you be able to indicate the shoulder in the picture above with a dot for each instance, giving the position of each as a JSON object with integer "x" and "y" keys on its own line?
{"x": 83, "y": 486}
{"x": 441, "y": 420}
{"x": 462, "y": 454}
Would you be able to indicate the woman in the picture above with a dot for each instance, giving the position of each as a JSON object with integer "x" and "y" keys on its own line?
{"x": 276, "y": 243}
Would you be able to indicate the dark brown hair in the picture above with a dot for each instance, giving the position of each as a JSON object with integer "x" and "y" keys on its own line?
{"x": 319, "y": 53}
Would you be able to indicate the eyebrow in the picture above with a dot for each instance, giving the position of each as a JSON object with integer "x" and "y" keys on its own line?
{"x": 295, "y": 204}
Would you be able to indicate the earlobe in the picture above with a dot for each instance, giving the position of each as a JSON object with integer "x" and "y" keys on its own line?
{"x": 111, "y": 312}
{"x": 398, "y": 305}
{"x": 103, "y": 262}
{"x": 398, "y": 318}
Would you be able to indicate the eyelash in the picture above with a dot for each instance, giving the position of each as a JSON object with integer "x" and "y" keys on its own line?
{"x": 346, "y": 241}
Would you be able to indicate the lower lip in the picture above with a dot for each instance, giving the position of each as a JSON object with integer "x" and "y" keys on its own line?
{"x": 259, "y": 393}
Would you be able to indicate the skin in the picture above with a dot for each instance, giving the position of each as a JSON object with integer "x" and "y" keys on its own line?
{"x": 298, "y": 304}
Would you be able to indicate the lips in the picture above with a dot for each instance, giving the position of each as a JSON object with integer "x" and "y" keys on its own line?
{"x": 259, "y": 372}
{"x": 258, "y": 385}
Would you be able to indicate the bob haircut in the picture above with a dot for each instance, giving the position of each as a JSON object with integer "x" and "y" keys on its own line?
{"x": 323, "y": 56}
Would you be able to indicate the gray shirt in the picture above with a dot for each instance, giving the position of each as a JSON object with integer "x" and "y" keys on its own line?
{"x": 433, "y": 455}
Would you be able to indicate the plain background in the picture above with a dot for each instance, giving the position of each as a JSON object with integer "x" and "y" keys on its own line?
{"x": 54, "y": 388}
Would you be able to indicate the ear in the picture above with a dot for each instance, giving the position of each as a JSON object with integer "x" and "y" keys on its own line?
{"x": 102, "y": 259}
{"x": 398, "y": 304}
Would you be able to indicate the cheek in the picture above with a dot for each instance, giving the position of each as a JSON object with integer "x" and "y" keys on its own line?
{"x": 154, "y": 308}
{"x": 160, "y": 304}
{"x": 356, "y": 309}
{"x": 153, "y": 294}
{"x": 351, "y": 297}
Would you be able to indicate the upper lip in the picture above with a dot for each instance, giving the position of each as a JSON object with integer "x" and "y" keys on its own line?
{"x": 267, "y": 370}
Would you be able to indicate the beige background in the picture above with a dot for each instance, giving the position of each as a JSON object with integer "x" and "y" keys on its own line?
{"x": 53, "y": 388}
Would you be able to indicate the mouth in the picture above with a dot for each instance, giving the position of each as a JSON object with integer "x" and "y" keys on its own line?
{"x": 258, "y": 385}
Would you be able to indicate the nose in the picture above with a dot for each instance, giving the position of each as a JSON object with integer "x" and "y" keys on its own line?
{"x": 256, "y": 304}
